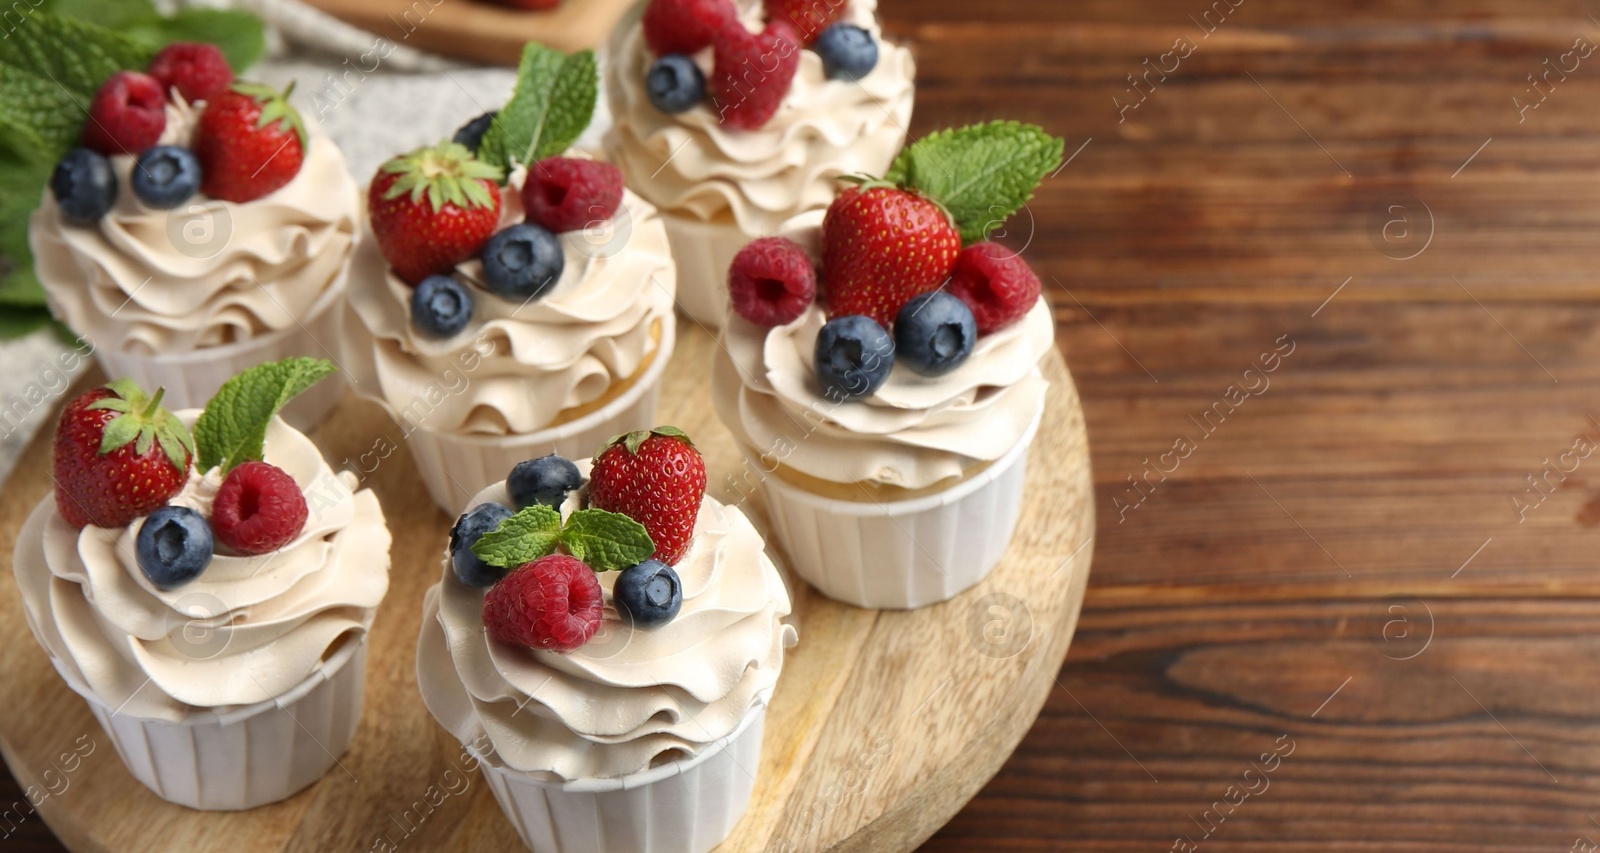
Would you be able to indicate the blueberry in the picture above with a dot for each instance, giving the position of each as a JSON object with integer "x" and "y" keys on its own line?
{"x": 468, "y": 530}
{"x": 848, "y": 52}
{"x": 440, "y": 307}
{"x": 174, "y": 546}
{"x": 84, "y": 185}
{"x": 853, "y": 357}
{"x": 545, "y": 480}
{"x": 675, "y": 83}
{"x": 522, "y": 262}
{"x": 649, "y": 592}
{"x": 471, "y": 133}
{"x": 165, "y": 176}
{"x": 934, "y": 333}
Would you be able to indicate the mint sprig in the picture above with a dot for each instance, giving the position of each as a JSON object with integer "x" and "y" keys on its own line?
{"x": 552, "y": 104}
{"x": 233, "y": 427}
{"x": 605, "y": 541}
{"x": 981, "y": 174}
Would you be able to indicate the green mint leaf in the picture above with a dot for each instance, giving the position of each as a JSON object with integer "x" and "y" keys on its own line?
{"x": 239, "y": 34}
{"x": 233, "y": 426}
{"x": 606, "y": 541}
{"x": 553, "y": 102}
{"x": 982, "y": 173}
{"x": 522, "y": 538}
{"x": 50, "y": 68}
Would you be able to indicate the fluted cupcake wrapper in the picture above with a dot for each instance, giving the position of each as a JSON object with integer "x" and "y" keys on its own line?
{"x": 251, "y": 756}
{"x": 903, "y": 554}
{"x": 191, "y": 378}
{"x": 703, "y": 252}
{"x": 688, "y": 806}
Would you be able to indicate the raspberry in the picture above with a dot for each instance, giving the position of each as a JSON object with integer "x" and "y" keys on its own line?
{"x": 808, "y": 17}
{"x": 197, "y": 70}
{"x": 996, "y": 284}
{"x": 751, "y": 73}
{"x": 553, "y": 603}
{"x": 772, "y": 282}
{"x": 258, "y": 509}
{"x": 127, "y": 115}
{"x": 685, "y": 26}
{"x": 567, "y": 194}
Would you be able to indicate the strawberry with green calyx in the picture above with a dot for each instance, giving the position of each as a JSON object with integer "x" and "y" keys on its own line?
{"x": 432, "y": 209}
{"x": 250, "y": 142}
{"x": 657, "y": 478}
{"x": 118, "y": 456}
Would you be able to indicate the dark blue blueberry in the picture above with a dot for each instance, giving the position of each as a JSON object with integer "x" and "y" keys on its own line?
{"x": 545, "y": 480}
{"x": 174, "y": 546}
{"x": 471, "y": 133}
{"x": 853, "y": 357}
{"x": 468, "y": 530}
{"x": 934, "y": 333}
{"x": 522, "y": 262}
{"x": 165, "y": 176}
{"x": 848, "y": 52}
{"x": 440, "y": 307}
{"x": 649, "y": 592}
{"x": 84, "y": 185}
{"x": 675, "y": 83}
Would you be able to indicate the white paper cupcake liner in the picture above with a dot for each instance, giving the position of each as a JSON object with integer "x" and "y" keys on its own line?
{"x": 703, "y": 252}
{"x": 687, "y": 806}
{"x": 192, "y": 377}
{"x": 456, "y": 467}
{"x": 902, "y": 554}
{"x": 250, "y": 756}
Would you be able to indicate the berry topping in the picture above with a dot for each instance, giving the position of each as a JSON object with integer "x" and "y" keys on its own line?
{"x": 127, "y": 115}
{"x": 772, "y": 282}
{"x": 564, "y": 194}
{"x": 649, "y": 594}
{"x": 432, "y": 209}
{"x": 250, "y": 142}
{"x": 685, "y": 26}
{"x": 848, "y": 52}
{"x": 470, "y": 135}
{"x": 522, "y": 262}
{"x": 853, "y": 357}
{"x": 197, "y": 70}
{"x": 545, "y": 481}
{"x": 934, "y": 333}
{"x": 996, "y": 283}
{"x": 440, "y": 307}
{"x": 165, "y": 176}
{"x": 656, "y": 478}
{"x": 84, "y": 185}
{"x": 808, "y": 17}
{"x": 259, "y": 508}
{"x": 881, "y": 246}
{"x": 173, "y": 546}
{"x": 675, "y": 84}
{"x": 118, "y": 456}
{"x": 553, "y": 603}
{"x": 469, "y": 568}
{"x": 751, "y": 73}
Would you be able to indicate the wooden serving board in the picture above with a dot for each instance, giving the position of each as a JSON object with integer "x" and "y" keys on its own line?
{"x": 883, "y": 726}
{"x": 477, "y": 30}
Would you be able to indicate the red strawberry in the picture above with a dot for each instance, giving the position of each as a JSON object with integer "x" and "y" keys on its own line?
{"x": 808, "y": 17}
{"x": 570, "y": 194}
{"x": 259, "y": 508}
{"x": 772, "y": 282}
{"x": 197, "y": 70}
{"x": 752, "y": 72}
{"x": 657, "y": 478}
{"x": 685, "y": 26}
{"x": 249, "y": 141}
{"x": 553, "y": 603}
{"x": 432, "y": 209}
{"x": 996, "y": 283}
{"x": 127, "y": 115}
{"x": 118, "y": 456}
{"x": 880, "y": 247}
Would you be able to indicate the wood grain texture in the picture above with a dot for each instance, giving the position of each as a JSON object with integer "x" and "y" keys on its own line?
{"x": 882, "y": 727}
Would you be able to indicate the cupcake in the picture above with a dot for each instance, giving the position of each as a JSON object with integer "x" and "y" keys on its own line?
{"x": 732, "y": 116}
{"x": 199, "y": 230}
{"x": 888, "y": 427}
{"x": 608, "y": 651}
{"x": 500, "y": 322}
{"x": 209, "y": 597}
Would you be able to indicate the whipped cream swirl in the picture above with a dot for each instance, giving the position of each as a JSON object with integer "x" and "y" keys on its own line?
{"x": 247, "y": 630}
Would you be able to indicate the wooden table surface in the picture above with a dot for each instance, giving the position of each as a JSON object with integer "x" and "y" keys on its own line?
{"x": 1333, "y": 615}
